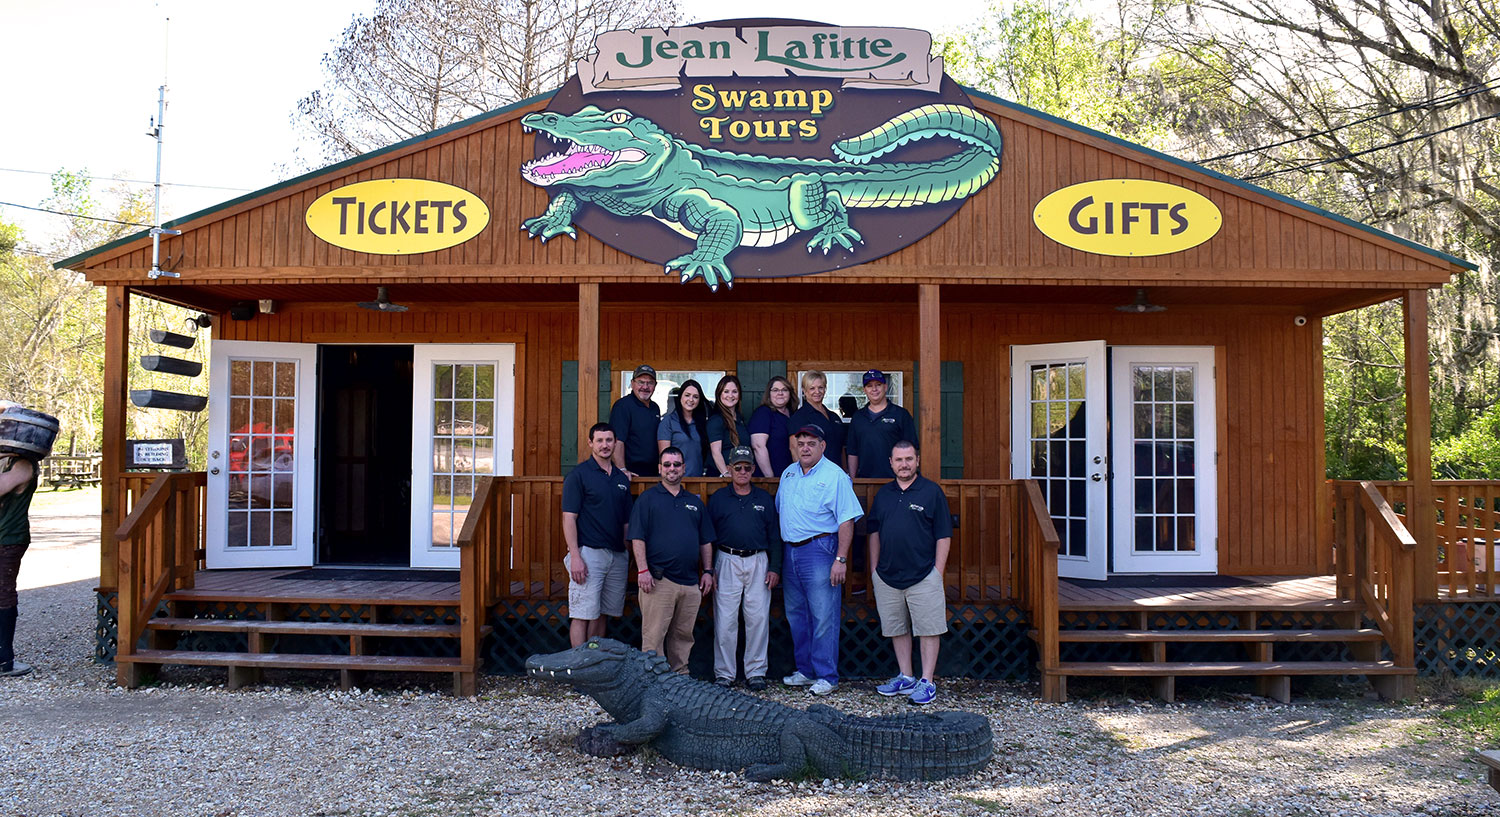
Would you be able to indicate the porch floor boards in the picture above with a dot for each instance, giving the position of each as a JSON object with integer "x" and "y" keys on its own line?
{"x": 1266, "y": 594}
{"x": 251, "y": 585}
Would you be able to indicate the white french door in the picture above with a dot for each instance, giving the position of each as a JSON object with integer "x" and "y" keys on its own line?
{"x": 463, "y": 414}
{"x": 1165, "y": 452}
{"x": 262, "y": 436}
{"x": 1058, "y": 438}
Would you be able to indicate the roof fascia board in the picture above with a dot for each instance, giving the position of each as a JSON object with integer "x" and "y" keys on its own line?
{"x": 1198, "y": 169}
{"x": 386, "y": 153}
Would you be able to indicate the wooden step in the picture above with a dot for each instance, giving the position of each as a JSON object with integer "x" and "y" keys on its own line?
{"x": 1210, "y": 668}
{"x": 384, "y": 663}
{"x": 218, "y": 625}
{"x": 1212, "y": 636}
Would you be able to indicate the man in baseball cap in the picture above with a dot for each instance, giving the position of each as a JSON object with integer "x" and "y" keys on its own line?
{"x": 747, "y": 567}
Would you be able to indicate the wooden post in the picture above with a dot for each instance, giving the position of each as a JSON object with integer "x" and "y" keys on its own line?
{"x": 112, "y": 459}
{"x": 929, "y": 356}
{"x": 1421, "y": 517}
{"x": 588, "y": 363}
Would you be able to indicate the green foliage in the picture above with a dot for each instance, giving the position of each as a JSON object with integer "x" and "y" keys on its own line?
{"x": 1472, "y": 453}
{"x": 1478, "y": 712}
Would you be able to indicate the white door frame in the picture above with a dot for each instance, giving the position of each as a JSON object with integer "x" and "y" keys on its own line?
{"x": 217, "y": 552}
{"x": 1091, "y": 560}
{"x": 425, "y": 357}
{"x": 1204, "y": 557}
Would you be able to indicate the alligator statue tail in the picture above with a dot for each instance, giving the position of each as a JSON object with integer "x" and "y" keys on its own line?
{"x": 919, "y": 746}
{"x": 955, "y": 177}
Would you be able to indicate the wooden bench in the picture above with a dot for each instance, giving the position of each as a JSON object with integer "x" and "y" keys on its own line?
{"x": 1492, "y": 760}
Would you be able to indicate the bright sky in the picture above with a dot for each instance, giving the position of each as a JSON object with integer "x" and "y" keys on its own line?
{"x": 82, "y": 79}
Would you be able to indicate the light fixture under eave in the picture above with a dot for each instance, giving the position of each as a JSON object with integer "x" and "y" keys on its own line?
{"x": 1140, "y": 304}
{"x": 382, "y": 302}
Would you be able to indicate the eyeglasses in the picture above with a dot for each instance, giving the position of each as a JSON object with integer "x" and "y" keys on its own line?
{"x": 671, "y": 465}
{"x": 743, "y": 467}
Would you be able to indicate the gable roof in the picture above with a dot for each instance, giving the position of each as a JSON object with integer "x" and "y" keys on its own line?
{"x": 1178, "y": 171}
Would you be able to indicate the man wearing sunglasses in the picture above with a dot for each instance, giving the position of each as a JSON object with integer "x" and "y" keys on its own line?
{"x": 673, "y": 539}
{"x": 746, "y": 570}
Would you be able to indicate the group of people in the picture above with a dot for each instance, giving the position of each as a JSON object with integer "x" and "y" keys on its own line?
{"x": 742, "y": 542}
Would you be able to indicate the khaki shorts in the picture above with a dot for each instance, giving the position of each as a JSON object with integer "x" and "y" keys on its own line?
{"x": 604, "y": 592}
{"x": 920, "y": 610}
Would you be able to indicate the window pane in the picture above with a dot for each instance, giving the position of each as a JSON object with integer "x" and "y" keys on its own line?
{"x": 239, "y": 377}
{"x": 263, "y": 384}
{"x": 286, "y": 379}
{"x": 442, "y": 380}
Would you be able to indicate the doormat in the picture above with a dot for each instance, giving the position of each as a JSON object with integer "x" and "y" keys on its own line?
{"x": 1164, "y": 581}
{"x": 354, "y": 574}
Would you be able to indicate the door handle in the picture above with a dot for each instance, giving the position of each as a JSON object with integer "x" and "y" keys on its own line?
{"x": 1096, "y": 477}
{"x": 213, "y": 471}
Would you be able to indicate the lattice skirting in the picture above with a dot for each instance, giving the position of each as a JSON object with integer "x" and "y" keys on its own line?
{"x": 106, "y": 626}
{"x": 983, "y": 641}
{"x": 1462, "y": 638}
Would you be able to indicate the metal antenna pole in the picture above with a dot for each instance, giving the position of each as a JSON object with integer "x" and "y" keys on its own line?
{"x": 156, "y": 230}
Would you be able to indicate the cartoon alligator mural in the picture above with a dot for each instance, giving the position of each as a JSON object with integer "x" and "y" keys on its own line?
{"x": 723, "y": 200}
{"x": 697, "y": 724}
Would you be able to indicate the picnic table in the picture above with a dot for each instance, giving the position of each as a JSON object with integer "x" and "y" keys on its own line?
{"x": 72, "y": 471}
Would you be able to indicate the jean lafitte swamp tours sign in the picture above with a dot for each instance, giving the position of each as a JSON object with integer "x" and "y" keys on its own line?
{"x": 745, "y": 149}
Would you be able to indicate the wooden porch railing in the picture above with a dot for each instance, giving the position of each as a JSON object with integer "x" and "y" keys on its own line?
{"x": 1467, "y": 527}
{"x": 527, "y": 548}
{"x": 160, "y": 545}
{"x": 1036, "y": 581}
{"x": 1375, "y": 563}
{"x": 486, "y": 528}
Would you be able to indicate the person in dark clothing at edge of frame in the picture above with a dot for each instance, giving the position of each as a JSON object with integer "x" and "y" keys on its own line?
{"x": 18, "y": 480}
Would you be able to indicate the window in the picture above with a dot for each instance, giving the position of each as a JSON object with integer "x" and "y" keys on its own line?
{"x": 668, "y": 381}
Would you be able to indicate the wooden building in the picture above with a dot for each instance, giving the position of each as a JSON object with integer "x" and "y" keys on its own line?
{"x": 1171, "y": 458}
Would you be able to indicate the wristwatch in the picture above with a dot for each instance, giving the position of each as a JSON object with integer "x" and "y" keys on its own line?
{"x": 843, "y": 560}
{"x": 708, "y": 571}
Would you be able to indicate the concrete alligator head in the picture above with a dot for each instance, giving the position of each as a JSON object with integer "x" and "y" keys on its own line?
{"x": 595, "y": 666}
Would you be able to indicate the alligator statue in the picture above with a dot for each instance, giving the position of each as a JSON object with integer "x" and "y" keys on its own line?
{"x": 723, "y": 200}
{"x": 697, "y": 724}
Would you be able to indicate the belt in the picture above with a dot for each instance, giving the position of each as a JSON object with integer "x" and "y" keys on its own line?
{"x": 739, "y": 552}
{"x": 805, "y": 541}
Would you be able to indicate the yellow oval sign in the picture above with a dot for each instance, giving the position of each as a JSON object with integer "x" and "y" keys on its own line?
{"x": 397, "y": 216}
{"x": 1132, "y": 217}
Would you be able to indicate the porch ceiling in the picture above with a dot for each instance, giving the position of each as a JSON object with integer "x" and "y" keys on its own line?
{"x": 219, "y": 297}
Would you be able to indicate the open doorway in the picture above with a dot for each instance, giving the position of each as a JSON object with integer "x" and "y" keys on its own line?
{"x": 364, "y": 465}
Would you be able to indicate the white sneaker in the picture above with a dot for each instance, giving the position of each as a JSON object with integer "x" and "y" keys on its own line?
{"x": 797, "y": 679}
{"x": 823, "y": 687}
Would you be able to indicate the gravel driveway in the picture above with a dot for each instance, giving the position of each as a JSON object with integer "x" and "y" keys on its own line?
{"x": 73, "y": 744}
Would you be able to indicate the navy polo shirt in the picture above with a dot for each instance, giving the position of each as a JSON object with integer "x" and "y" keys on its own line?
{"x": 747, "y": 522}
{"x": 767, "y": 420}
{"x": 872, "y": 436}
{"x": 833, "y": 430}
{"x": 602, "y": 501}
{"x": 674, "y": 528}
{"x": 909, "y": 523}
{"x": 635, "y": 427}
{"x": 718, "y": 432}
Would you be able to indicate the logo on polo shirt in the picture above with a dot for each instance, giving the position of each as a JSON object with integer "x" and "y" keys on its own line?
{"x": 887, "y": 419}
{"x": 918, "y": 508}
{"x": 760, "y": 508}
{"x": 624, "y": 486}
{"x": 691, "y": 507}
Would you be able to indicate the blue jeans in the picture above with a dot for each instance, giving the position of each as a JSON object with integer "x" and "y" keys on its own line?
{"x": 814, "y": 608}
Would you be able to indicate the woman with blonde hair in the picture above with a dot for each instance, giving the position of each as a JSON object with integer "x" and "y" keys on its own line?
{"x": 813, "y": 412}
{"x": 770, "y": 431}
{"x": 726, "y": 427}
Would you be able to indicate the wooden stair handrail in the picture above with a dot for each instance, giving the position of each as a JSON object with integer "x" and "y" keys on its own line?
{"x": 1039, "y": 513}
{"x": 482, "y": 488}
{"x": 473, "y": 601}
{"x": 149, "y": 506}
{"x": 1393, "y": 531}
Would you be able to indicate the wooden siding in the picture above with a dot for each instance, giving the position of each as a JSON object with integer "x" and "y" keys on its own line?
{"x": 1267, "y": 379}
{"x": 1264, "y": 240}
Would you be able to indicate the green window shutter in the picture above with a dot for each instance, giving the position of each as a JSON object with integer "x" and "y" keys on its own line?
{"x": 953, "y": 419}
{"x": 753, "y": 375}
{"x": 607, "y": 394}
{"x": 569, "y": 412}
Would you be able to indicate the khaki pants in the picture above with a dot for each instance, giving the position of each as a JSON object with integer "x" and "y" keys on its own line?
{"x": 741, "y": 581}
{"x": 668, "y": 614}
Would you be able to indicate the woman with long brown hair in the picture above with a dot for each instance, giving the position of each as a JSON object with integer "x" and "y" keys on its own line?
{"x": 726, "y": 427}
{"x": 686, "y": 427}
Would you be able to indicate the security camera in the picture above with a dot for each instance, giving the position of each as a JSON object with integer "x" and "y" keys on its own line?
{"x": 1300, "y": 320}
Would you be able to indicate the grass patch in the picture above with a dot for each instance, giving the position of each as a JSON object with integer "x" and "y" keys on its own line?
{"x": 80, "y": 499}
{"x": 1477, "y": 710}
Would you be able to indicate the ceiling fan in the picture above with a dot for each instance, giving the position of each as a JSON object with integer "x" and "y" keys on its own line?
{"x": 382, "y": 302}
